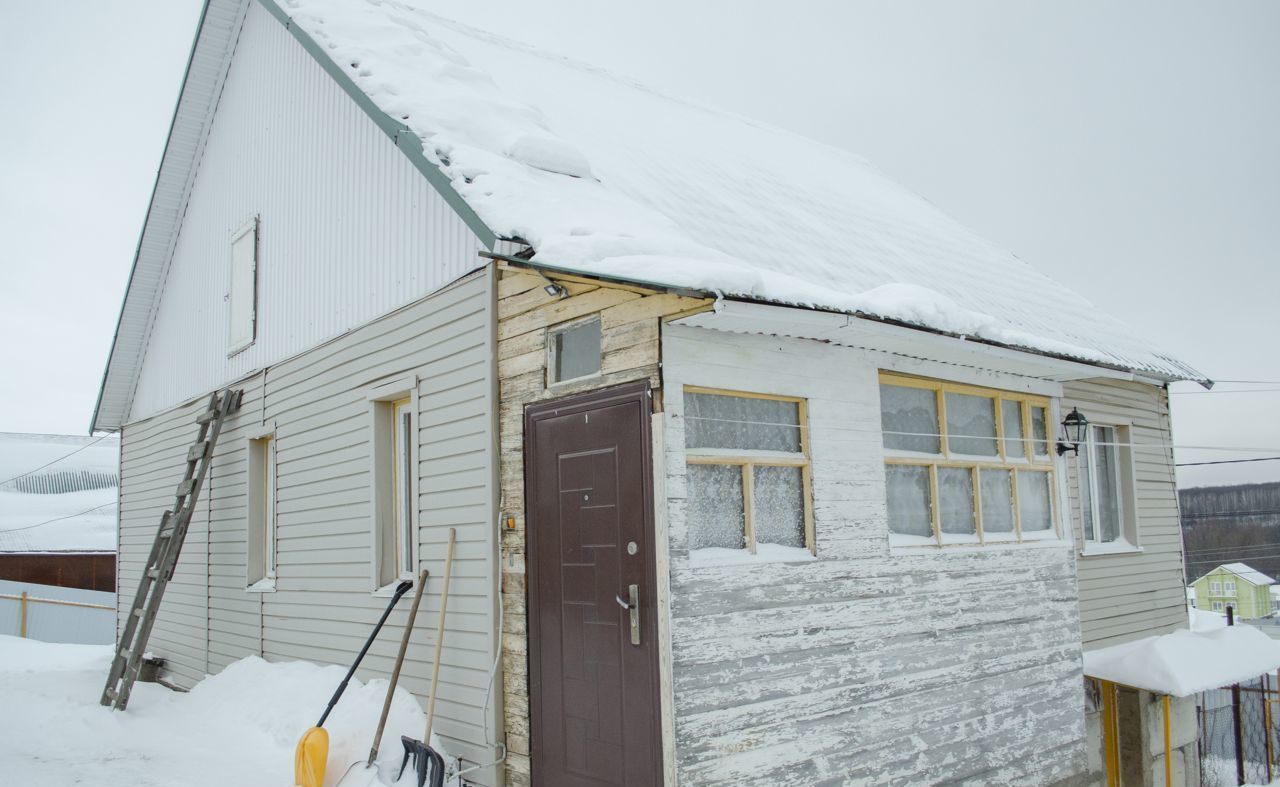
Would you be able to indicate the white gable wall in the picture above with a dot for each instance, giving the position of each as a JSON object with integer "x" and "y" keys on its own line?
{"x": 349, "y": 229}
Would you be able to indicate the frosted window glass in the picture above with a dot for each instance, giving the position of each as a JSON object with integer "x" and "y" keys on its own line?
{"x": 1039, "y": 437}
{"x": 909, "y": 418}
{"x": 576, "y": 350}
{"x": 955, "y": 487}
{"x": 1033, "y": 501}
{"x": 1108, "y": 487}
{"x": 971, "y": 424}
{"x": 718, "y": 421}
{"x": 779, "y": 505}
{"x": 1085, "y": 481}
{"x": 1014, "y": 445}
{"x": 714, "y": 507}
{"x": 908, "y": 494}
{"x": 997, "y": 501}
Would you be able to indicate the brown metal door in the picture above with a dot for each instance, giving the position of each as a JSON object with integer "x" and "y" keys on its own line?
{"x": 593, "y": 692}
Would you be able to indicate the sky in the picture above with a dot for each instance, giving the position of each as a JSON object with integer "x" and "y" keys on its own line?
{"x": 1131, "y": 151}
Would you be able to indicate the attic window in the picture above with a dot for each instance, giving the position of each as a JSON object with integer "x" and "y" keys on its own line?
{"x": 242, "y": 294}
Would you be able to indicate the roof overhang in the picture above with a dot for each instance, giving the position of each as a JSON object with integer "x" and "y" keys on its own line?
{"x": 909, "y": 341}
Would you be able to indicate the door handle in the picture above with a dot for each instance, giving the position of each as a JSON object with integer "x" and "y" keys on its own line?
{"x": 634, "y": 606}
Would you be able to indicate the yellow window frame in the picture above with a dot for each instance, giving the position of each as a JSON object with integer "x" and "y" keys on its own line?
{"x": 749, "y": 460}
{"x": 1029, "y": 462}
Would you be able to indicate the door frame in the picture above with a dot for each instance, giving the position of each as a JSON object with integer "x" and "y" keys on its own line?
{"x": 642, "y": 393}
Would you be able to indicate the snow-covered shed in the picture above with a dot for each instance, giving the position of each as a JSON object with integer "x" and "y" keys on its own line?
{"x": 58, "y": 509}
{"x": 751, "y": 451}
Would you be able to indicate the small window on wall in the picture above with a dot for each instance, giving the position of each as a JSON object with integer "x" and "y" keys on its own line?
{"x": 748, "y": 474}
{"x": 1229, "y": 588}
{"x": 1217, "y": 606}
{"x": 573, "y": 351}
{"x": 394, "y": 448}
{"x": 242, "y": 293}
{"x": 261, "y": 521}
{"x": 1104, "y": 475}
{"x": 965, "y": 465}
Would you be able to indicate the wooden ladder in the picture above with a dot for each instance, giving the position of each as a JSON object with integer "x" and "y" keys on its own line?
{"x": 164, "y": 552}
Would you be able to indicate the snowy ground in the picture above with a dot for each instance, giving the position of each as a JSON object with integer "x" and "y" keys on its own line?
{"x": 239, "y": 727}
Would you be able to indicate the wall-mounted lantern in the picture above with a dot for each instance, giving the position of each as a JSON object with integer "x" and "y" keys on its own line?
{"x": 1074, "y": 428}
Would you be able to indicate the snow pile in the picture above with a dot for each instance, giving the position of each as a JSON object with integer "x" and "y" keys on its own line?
{"x": 1185, "y": 662}
{"x": 1206, "y": 620}
{"x": 58, "y": 493}
{"x": 237, "y": 727}
{"x": 604, "y": 176}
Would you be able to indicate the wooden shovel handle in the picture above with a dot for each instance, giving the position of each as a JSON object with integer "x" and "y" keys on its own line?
{"x": 395, "y": 673}
{"x": 435, "y": 666}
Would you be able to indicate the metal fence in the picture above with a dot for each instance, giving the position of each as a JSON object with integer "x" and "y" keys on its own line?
{"x": 55, "y": 614}
{"x": 1239, "y": 733}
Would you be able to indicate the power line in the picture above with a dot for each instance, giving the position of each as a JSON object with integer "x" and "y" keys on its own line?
{"x": 57, "y": 519}
{"x": 54, "y": 462}
{"x": 1228, "y": 461}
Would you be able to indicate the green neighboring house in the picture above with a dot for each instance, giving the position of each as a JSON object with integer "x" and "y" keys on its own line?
{"x": 1235, "y": 585}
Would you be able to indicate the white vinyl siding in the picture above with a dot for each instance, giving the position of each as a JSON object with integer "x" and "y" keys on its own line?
{"x": 317, "y": 406}
{"x": 1131, "y": 593}
{"x": 350, "y": 229}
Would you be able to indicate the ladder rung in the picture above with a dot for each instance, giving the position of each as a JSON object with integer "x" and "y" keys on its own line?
{"x": 137, "y": 613}
{"x": 185, "y": 487}
{"x": 110, "y": 694}
{"x": 206, "y": 417}
{"x": 154, "y": 573}
{"x": 196, "y": 452}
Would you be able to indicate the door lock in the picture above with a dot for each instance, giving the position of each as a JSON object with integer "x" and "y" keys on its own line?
{"x": 634, "y": 609}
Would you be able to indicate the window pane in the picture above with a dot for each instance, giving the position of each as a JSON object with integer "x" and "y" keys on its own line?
{"x": 971, "y": 424}
{"x": 1033, "y": 501}
{"x": 576, "y": 350}
{"x": 1039, "y": 437}
{"x": 1108, "y": 487}
{"x": 909, "y": 418}
{"x": 714, "y": 506}
{"x": 908, "y": 498}
{"x": 955, "y": 487}
{"x": 404, "y": 501}
{"x": 997, "y": 501}
{"x": 779, "y": 506}
{"x": 721, "y": 421}
{"x": 1084, "y": 464}
{"x": 1014, "y": 444}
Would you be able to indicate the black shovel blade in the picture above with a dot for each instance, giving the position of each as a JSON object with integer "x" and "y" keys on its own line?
{"x": 427, "y": 762}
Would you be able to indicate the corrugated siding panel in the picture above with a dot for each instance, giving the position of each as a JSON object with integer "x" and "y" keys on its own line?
{"x": 349, "y": 229}
{"x": 1132, "y": 595}
{"x": 866, "y": 666}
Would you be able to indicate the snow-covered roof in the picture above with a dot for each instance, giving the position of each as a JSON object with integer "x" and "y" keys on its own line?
{"x": 58, "y": 493}
{"x": 1248, "y": 574}
{"x": 603, "y": 176}
{"x": 1184, "y": 662}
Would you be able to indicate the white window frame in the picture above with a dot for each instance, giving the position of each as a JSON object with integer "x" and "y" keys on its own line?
{"x": 261, "y": 523}
{"x": 1215, "y": 587}
{"x": 1217, "y": 606}
{"x": 565, "y": 327}
{"x": 1125, "y": 485}
{"x": 237, "y": 340}
{"x": 1229, "y": 588}
{"x": 390, "y": 490}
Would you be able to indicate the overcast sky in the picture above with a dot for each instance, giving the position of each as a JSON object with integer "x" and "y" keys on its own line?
{"x": 1130, "y": 150}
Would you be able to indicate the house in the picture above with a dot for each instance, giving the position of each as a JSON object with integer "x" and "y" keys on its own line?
{"x": 1238, "y": 586}
{"x": 58, "y": 510}
{"x": 752, "y": 454}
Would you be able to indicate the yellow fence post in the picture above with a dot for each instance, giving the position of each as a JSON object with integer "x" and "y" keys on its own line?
{"x": 1168, "y": 744}
{"x": 1111, "y": 732}
{"x": 22, "y": 625}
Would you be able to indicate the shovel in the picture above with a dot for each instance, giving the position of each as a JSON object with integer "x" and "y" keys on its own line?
{"x": 427, "y": 760}
{"x": 312, "y": 754}
{"x": 365, "y": 776}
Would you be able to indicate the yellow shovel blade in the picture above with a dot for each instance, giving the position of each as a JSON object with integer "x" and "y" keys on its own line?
{"x": 310, "y": 758}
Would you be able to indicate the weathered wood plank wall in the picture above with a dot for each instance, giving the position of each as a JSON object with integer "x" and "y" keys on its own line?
{"x": 629, "y": 319}
{"x": 869, "y": 665}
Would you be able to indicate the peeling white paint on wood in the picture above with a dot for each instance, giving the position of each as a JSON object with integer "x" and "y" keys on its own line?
{"x": 862, "y": 667}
